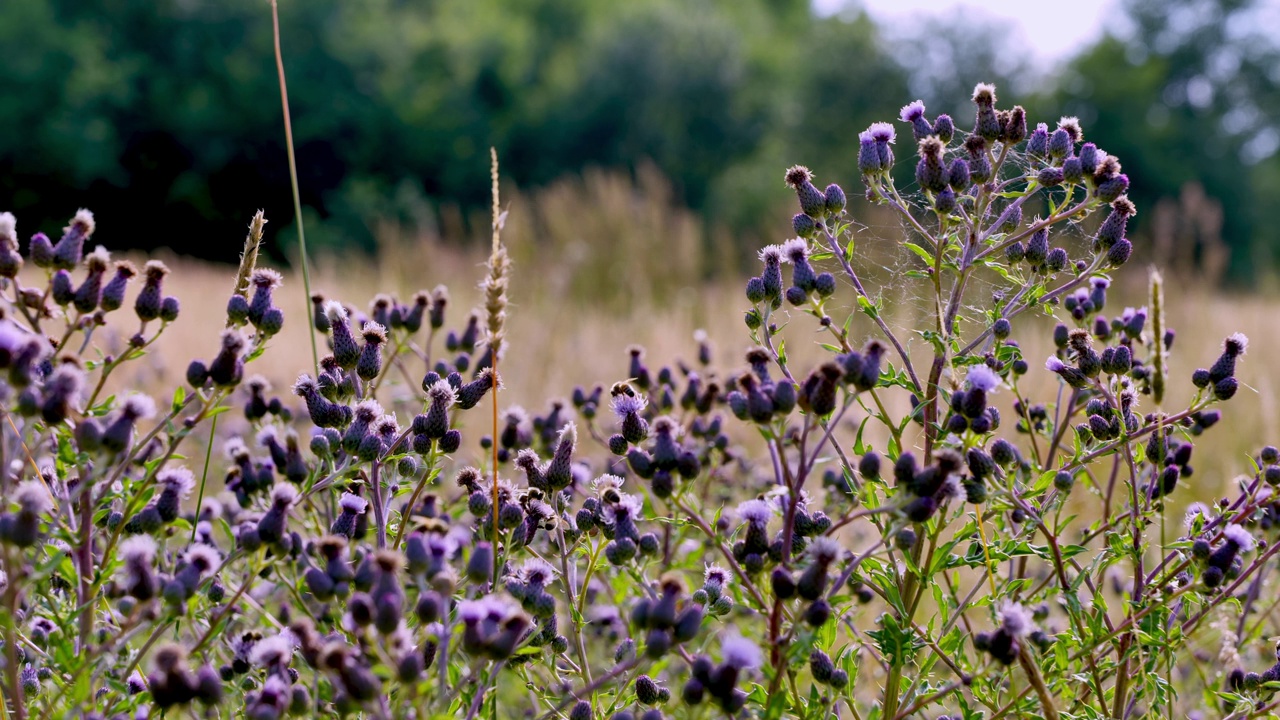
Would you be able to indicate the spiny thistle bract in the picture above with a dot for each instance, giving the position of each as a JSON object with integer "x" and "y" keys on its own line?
{"x": 676, "y": 557}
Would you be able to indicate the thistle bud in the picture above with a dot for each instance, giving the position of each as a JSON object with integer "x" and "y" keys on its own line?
{"x": 931, "y": 174}
{"x": 68, "y": 251}
{"x": 61, "y": 289}
{"x": 1059, "y": 144}
{"x": 170, "y": 307}
{"x": 835, "y": 199}
{"x": 369, "y": 364}
{"x": 1015, "y": 130}
{"x": 914, "y": 114}
{"x": 346, "y": 352}
{"x": 1111, "y": 189}
{"x": 979, "y": 163}
{"x": 227, "y": 368}
{"x": 812, "y": 202}
{"x": 868, "y": 157}
{"x": 151, "y": 297}
{"x": 944, "y": 128}
{"x": 119, "y": 434}
{"x": 986, "y": 125}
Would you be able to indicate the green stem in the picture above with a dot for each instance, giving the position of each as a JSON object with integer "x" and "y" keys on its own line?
{"x": 293, "y": 182}
{"x": 204, "y": 476}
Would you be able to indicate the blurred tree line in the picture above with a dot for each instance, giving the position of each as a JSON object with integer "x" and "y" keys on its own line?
{"x": 164, "y": 115}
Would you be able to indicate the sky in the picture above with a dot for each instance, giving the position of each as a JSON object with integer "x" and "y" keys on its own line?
{"x": 1039, "y": 22}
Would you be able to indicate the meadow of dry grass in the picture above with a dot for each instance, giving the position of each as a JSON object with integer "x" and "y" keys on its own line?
{"x": 562, "y": 340}
{"x": 604, "y": 262}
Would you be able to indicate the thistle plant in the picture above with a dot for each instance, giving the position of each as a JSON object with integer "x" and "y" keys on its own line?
{"x": 926, "y": 521}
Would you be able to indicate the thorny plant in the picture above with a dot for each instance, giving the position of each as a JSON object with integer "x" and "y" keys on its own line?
{"x": 722, "y": 543}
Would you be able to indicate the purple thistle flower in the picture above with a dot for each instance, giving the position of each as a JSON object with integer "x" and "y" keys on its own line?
{"x": 739, "y": 652}
{"x": 914, "y": 113}
{"x": 983, "y": 378}
{"x": 1015, "y": 619}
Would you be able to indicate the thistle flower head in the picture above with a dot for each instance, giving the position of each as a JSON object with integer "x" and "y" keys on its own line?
{"x": 984, "y": 94}
{"x": 67, "y": 380}
{"x": 1130, "y": 314}
{"x": 284, "y": 495}
{"x": 739, "y": 652}
{"x": 983, "y": 378}
{"x": 155, "y": 270}
{"x": 665, "y": 426}
{"x": 756, "y": 511}
{"x": 268, "y": 436}
{"x": 1239, "y": 536}
{"x": 387, "y": 426}
{"x": 306, "y": 386}
{"x": 1015, "y": 619}
{"x": 272, "y": 651}
{"x": 233, "y": 341}
{"x": 388, "y": 561}
{"x": 772, "y": 255}
{"x": 352, "y": 503}
{"x": 1053, "y": 364}
{"x": 911, "y": 111}
{"x": 606, "y": 482}
{"x": 824, "y": 550}
{"x": 494, "y": 607}
{"x": 170, "y": 658}
{"x": 535, "y": 571}
{"x": 33, "y": 497}
{"x": 951, "y": 487}
{"x": 796, "y": 250}
{"x": 442, "y": 392}
{"x": 1072, "y": 126}
{"x": 203, "y": 557}
{"x": 334, "y": 311}
{"x": 98, "y": 261}
{"x": 624, "y": 405}
{"x": 138, "y": 550}
{"x": 931, "y": 147}
{"x": 630, "y": 506}
{"x": 266, "y": 278}
{"x": 716, "y": 575}
{"x": 178, "y": 479}
{"x": 366, "y": 411}
{"x": 374, "y": 333}
{"x": 8, "y": 228}
{"x": 1194, "y": 511}
{"x": 798, "y": 175}
{"x": 138, "y": 407}
{"x": 1236, "y": 344}
{"x": 235, "y": 450}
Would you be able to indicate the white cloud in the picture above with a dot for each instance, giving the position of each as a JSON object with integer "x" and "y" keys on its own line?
{"x": 1051, "y": 33}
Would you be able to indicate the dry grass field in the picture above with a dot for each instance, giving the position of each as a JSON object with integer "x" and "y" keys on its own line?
{"x": 604, "y": 262}
{"x": 578, "y": 337}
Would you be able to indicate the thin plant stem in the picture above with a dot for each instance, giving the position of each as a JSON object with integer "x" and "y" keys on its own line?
{"x": 293, "y": 181}
{"x": 204, "y": 474}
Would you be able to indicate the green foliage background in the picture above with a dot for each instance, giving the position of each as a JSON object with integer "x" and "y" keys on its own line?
{"x": 164, "y": 115}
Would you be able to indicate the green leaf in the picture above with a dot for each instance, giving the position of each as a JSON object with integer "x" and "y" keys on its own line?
{"x": 868, "y": 307}
{"x": 924, "y": 254}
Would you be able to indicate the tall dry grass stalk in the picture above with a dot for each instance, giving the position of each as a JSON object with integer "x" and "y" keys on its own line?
{"x": 495, "y": 306}
{"x": 293, "y": 182}
{"x": 249, "y": 256}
